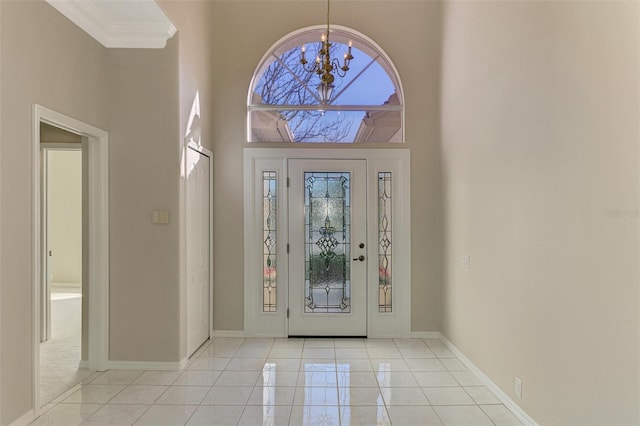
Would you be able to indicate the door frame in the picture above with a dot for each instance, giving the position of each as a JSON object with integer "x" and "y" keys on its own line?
{"x": 184, "y": 263}
{"x": 275, "y": 324}
{"x": 98, "y": 256}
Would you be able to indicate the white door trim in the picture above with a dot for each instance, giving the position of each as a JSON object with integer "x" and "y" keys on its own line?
{"x": 274, "y": 324}
{"x": 98, "y": 182}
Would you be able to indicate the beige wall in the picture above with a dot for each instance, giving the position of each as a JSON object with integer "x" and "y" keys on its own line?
{"x": 151, "y": 93}
{"x": 144, "y": 166}
{"x": 540, "y": 142}
{"x": 192, "y": 19}
{"x": 44, "y": 59}
{"x": 52, "y": 134}
{"x": 539, "y": 139}
{"x": 409, "y": 33}
{"x": 134, "y": 95}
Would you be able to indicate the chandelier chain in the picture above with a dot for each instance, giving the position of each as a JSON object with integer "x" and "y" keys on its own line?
{"x": 325, "y": 66}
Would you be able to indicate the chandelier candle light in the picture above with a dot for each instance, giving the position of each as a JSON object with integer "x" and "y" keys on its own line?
{"x": 324, "y": 66}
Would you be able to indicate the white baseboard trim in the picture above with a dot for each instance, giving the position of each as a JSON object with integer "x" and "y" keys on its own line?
{"x": 25, "y": 419}
{"x": 267, "y": 335}
{"x": 84, "y": 364}
{"x": 503, "y": 397}
{"x": 425, "y": 335}
{"x": 147, "y": 365}
{"x": 66, "y": 285}
{"x": 184, "y": 363}
{"x": 227, "y": 333}
{"x": 412, "y": 335}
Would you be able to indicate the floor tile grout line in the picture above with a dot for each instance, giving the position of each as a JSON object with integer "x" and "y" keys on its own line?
{"x": 337, "y": 386}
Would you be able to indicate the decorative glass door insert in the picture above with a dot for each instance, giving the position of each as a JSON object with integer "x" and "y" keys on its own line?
{"x": 327, "y": 235}
{"x": 327, "y": 242}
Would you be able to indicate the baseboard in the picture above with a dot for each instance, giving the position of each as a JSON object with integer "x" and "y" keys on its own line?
{"x": 503, "y": 397}
{"x": 241, "y": 333}
{"x": 264, "y": 335}
{"x": 25, "y": 419}
{"x": 66, "y": 285}
{"x": 83, "y": 364}
{"x": 227, "y": 333}
{"x": 147, "y": 365}
{"x": 425, "y": 335}
{"x": 183, "y": 363}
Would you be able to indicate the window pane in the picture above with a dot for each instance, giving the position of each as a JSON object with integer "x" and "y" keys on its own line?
{"x": 285, "y": 81}
{"x": 327, "y": 247}
{"x": 384, "y": 242}
{"x": 364, "y": 105}
{"x": 325, "y": 126}
{"x": 269, "y": 225}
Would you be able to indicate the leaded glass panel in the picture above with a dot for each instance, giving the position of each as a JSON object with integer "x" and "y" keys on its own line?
{"x": 269, "y": 225}
{"x": 384, "y": 242}
{"x": 327, "y": 242}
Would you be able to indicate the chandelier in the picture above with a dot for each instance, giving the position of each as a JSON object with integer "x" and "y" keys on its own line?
{"x": 324, "y": 66}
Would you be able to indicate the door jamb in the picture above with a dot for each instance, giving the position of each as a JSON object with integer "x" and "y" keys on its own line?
{"x": 98, "y": 204}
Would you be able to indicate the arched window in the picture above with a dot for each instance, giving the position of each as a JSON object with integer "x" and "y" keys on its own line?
{"x": 364, "y": 106}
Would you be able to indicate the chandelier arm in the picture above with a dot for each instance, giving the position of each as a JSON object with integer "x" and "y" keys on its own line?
{"x": 312, "y": 68}
{"x": 337, "y": 68}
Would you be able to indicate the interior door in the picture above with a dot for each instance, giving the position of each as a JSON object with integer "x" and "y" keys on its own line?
{"x": 198, "y": 248}
{"x": 327, "y": 237}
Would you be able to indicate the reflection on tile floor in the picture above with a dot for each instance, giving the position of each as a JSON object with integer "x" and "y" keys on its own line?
{"x": 235, "y": 381}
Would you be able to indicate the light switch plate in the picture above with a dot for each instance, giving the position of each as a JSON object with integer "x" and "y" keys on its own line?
{"x": 160, "y": 217}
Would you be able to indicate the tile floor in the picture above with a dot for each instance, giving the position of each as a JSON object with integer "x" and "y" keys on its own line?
{"x": 234, "y": 381}
{"x": 60, "y": 356}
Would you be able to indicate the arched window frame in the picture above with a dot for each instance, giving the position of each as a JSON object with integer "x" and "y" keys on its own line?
{"x": 339, "y": 34}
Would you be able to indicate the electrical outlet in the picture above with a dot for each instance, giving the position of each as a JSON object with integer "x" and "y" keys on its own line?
{"x": 465, "y": 261}
{"x": 518, "y": 385}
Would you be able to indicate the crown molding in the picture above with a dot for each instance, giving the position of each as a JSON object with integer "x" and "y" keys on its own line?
{"x": 117, "y": 25}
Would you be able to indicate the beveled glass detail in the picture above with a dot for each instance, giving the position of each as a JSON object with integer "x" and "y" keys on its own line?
{"x": 327, "y": 210}
{"x": 384, "y": 243}
{"x": 269, "y": 225}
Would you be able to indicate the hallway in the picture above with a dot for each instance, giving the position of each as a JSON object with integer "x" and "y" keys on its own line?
{"x": 235, "y": 381}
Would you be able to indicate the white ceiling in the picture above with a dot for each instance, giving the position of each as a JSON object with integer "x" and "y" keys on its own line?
{"x": 119, "y": 23}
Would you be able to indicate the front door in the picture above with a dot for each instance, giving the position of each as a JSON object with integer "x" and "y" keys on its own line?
{"x": 327, "y": 237}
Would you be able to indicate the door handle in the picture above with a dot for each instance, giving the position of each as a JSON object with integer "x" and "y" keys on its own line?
{"x": 360, "y": 258}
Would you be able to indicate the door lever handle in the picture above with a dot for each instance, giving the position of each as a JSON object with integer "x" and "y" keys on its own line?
{"x": 360, "y": 258}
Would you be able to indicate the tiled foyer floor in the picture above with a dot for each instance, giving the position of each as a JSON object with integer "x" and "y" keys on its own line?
{"x": 60, "y": 355}
{"x": 234, "y": 381}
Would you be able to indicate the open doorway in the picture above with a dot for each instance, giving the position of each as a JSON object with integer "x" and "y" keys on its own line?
{"x": 95, "y": 236}
{"x": 64, "y": 218}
